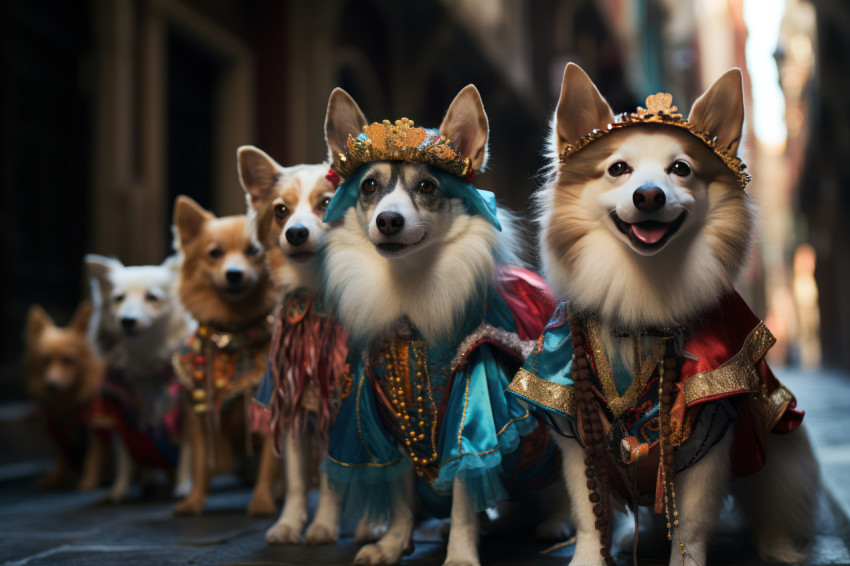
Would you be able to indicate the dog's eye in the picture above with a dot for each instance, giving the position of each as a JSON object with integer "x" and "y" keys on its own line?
{"x": 369, "y": 185}
{"x": 619, "y": 168}
{"x": 216, "y": 253}
{"x": 324, "y": 204}
{"x": 280, "y": 211}
{"x": 151, "y": 298}
{"x": 118, "y": 298}
{"x": 680, "y": 168}
{"x": 425, "y": 186}
{"x": 252, "y": 250}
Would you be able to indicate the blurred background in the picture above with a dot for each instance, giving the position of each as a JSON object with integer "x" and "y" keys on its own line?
{"x": 111, "y": 108}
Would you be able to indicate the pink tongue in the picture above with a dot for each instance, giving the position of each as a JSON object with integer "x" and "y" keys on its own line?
{"x": 649, "y": 233}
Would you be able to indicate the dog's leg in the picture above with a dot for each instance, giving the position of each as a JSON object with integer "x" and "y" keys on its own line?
{"x": 463, "y": 533}
{"x": 289, "y": 526}
{"x": 700, "y": 492}
{"x": 325, "y": 527}
{"x": 369, "y": 530}
{"x": 183, "y": 475}
{"x": 588, "y": 541}
{"x": 123, "y": 470}
{"x": 780, "y": 502}
{"x": 262, "y": 500}
{"x": 397, "y": 540}
{"x": 93, "y": 463}
{"x": 193, "y": 504}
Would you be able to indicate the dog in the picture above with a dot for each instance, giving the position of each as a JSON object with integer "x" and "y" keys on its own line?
{"x": 655, "y": 364}
{"x": 226, "y": 287}
{"x": 421, "y": 273}
{"x": 63, "y": 373}
{"x": 141, "y": 322}
{"x": 286, "y": 205}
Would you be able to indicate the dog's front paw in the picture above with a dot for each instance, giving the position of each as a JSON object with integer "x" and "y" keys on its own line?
{"x": 190, "y": 506}
{"x": 369, "y": 531}
{"x": 320, "y": 533}
{"x": 284, "y": 533}
{"x": 382, "y": 553}
{"x": 262, "y": 507}
{"x": 781, "y": 548}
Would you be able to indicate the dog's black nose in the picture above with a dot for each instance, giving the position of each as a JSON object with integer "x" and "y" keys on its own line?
{"x": 297, "y": 235}
{"x": 389, "y": 222}
{"x": 234, "y": 276}
{"x": 649, "y": 199}
{"x": 128, "y": 323}
{"x": 51, "y": 386}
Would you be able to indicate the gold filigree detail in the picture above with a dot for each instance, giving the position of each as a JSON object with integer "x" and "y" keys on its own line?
{"x": 400, "y": 141}
{"x": 736, "y": 375}
{"x": 768, "y": 408}
{"x": 660, "y": 110}
{"x": 547, "y": 394}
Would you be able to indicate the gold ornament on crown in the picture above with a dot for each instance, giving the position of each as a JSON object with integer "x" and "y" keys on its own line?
{"x": 660, "y": 110}
{"x": 400, "y": 141}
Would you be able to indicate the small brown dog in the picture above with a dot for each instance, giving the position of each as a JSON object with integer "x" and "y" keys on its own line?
{"x": 226, "y": 287}
{"x": 63, "y": 374}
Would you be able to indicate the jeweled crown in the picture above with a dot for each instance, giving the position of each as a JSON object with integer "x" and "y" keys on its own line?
{"x": 401, "y": 141}
{"x": 660, "y": 110}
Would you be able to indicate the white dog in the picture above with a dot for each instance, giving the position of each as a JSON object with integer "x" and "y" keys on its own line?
{"x": 140, "y": 322}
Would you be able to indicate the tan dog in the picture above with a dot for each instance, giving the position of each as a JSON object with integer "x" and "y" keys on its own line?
{"x": 226, "y": 287}
{"x": 63, "y": 373}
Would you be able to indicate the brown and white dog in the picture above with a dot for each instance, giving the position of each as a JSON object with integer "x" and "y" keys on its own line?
{"x": 286, "y": 205}
{"x": 63, "y": 373}
{"x": 226, "y": 287}
{"x": 645, "y": 226}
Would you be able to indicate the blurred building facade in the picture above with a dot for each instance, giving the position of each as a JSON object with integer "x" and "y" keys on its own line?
{"x": 114, "y": 107}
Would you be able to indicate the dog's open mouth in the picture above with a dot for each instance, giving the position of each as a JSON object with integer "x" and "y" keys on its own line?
{"x": 395, "y": 249}
{"x": 649, "y": 235}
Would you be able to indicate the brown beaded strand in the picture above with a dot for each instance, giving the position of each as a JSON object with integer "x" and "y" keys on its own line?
{"x": 672, "y": 367}
{"x": 594, "y": 444}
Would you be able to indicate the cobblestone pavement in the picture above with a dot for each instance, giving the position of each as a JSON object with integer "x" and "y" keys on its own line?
{"x": 74, "y": 528}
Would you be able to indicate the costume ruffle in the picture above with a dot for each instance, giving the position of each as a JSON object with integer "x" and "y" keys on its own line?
{"x": 467, "y": 427}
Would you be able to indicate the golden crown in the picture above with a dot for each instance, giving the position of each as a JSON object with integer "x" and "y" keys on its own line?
{"x": 400, "y": 141}
{"x": 660, "y": 110}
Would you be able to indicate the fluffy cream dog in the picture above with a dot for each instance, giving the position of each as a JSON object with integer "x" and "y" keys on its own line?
{"x": 653, "y": 372}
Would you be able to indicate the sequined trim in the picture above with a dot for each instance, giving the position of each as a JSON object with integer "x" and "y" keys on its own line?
{"x": 547, "y": 394}
{"x": 499, "y": 335}
{"x": 737, "y": 375}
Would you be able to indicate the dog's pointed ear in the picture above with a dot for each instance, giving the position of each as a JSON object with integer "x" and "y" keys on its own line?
{"x": 257, "y": 172}
{"x": 720, "y": 110}
{"x": 189, "y": 219}
{"x": 344, "y": 118}
{"x": 174, "y": 262}
{"x": 99, "y": 267}
{"x": 581, "y": 108}
{"x": 37, "y": 321}
{"x": 82, "y": 317}
{"x": 465, "y": 125}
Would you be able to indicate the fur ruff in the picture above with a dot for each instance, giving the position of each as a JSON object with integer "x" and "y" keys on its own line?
{"x": 432, "y": 288}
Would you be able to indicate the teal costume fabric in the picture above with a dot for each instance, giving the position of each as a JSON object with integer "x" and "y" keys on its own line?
{"x": 453, "y": 418}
